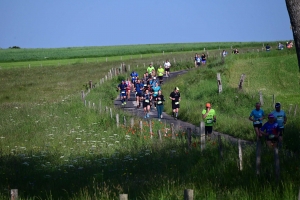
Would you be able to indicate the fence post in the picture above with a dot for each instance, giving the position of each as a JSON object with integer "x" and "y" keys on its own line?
{"x": 290, "y": 109}
{"x": 173, "y": 131}
{"x": 261, "y": 100}
{"x": 273, "y": 98}
{"x": 123, "y": 196}
{"x": 220, "y": 145}
{"x": 240, "y": 155}
{"x": 131, "y": 122}
{"x": 188, "y": 194}
{"x": 202, "y": 135}
{"x": 295, "y": 111}
{"x": 242, "y": 81}
{"x": 100, "y": 106}
{"x": 258, "y": 156}
{"x": 277, "y": 165}
{"x": 219, "y": 82}
{"x": 141, "y": 126}
{"x": 118, "y": 120}
{"x": 91, "y": 84}
{"x": 159, "y": 135}
{"x": 82, "y": 95}
{"x": 110, "y": 111}
{"x": 89, "y": 104}
{"x": 150, "y": 128}
{"x": 189, "y": 137}
{"x": 14, "y": 194}
{"x": 124, "y": 120}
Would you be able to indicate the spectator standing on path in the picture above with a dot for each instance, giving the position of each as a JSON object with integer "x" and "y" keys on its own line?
{"x": 203, "y": 59}
{"x": 256, "y": 116}
{"x": 159, "y": 104}
{"x": 281, "y": 119}
{"x": 271, "y": 131}
{"x": 209, "y": 116}
{"x": 167, "y": 66}
{"x": 175, "y": 97}
{"x": 146, "y": 103}
{"x": 160, "y": 73}
{"x": 122, "y": 88}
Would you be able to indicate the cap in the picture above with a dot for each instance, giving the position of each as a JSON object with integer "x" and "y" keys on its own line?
{"x": 176, "y": 88}
{"x": 277, "y": 105}
{"x": 154, "y": 77}
{"x": 208, "y": 105}
{"x": 270, "y": 115}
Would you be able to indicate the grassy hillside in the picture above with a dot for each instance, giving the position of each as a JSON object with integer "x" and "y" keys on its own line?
{"x": 52, "y": 146}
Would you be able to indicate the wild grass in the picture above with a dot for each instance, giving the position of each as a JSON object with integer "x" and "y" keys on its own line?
{"x": 54, "y": 147}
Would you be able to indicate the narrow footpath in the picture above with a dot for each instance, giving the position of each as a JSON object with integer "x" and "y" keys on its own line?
{"x": 131, "y": 107}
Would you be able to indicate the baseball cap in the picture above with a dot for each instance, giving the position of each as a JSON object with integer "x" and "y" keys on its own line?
{"x": 270, "y": 115}
{"x": 176, "y": 88}
{"x": 208, "y": 105}
{"x": 277, "y": 105}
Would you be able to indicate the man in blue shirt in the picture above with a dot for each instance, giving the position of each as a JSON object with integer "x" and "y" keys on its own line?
{"x": 134, "y": 75}
{"x": 256, "y": 116}
{"x": 281, "y": 119}
{"x": 271, "y": 131}
{"x": 139, "y": 86}
{"x": 122, "y": 88}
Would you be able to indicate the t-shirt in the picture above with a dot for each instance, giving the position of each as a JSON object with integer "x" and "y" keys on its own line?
{"x": 122, "y": 87}
{"x": 160, "y": 71}
{"x": 160, "y": 99}
{"x": 203, "y": 57}
{"x": 134, "y": 75}
{"x": 146, "y": 98}
{"x": 198, "y": 59}
{"x": 149, "y": 69}
{"x": 175, "y": 95}
{"x": 209, "y": 119}
{"x": 155, "y": 90}
{"x": 167, "y": 65}
{"x": 256, "y": 114}
{"x": 270, "y": 129}
{"x": 139, "y": 87}
{"x": 128, "y": 83}
{"x": 279, "y": 116}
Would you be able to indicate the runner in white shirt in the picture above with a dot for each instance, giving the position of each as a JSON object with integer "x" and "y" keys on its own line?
{"x": 167, "y": 66}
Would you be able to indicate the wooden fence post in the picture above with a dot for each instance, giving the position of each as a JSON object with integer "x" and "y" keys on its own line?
{"x": 124, "y": 121}
{"x": 202, "y": 135}
{"x": 299, "y": 194}
{"x": 290, "y": 109}
{"x": 118, "y": 120}
{"x": 220, "y": 145}
{"x": 219, "y": 82}
{"x": 100, "y": 106}
{"x": 242, "y": 81}
{"x": 277, "y": 165}
{"x": 261, "y": 100}
{"x": 189, "y": 137}
{"x": 188, "y": 194}
{"x": 141, "y": 126}
{"x": 131, "y": 122}
{"x": 14, "y": 194}
{"x": 110, "y": 111}
{"x": 82, "y": 95}
{"x": 240, "y": 155}
{"x": 173, "y": 131}
{"x": 295, "y": 111}
{"x": 150, "y": 128}
{"x": 258, "y": 156}
{"x": 89, "y": 104}
{"x": 123, "y": 196}
{"x": 159, "y": 135}
{"x": 91, "y": 84}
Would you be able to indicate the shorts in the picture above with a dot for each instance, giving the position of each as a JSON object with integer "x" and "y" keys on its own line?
{"x": 257, "y": 125}
{"x": 273, "y": 140}
{"x": 208, "y": 130}
{"x": 174, "y": 106}
{"x": 281, "y": 131}
{"x": 203, "y": 61}
{"x": 167, "y": 69}
{"x": 160, "y": 78}
{"x": 123, "y": 94}
{"x": 145, "y": 104}
{"x": 198, "y": 63}
{"x": 139, "y": 94}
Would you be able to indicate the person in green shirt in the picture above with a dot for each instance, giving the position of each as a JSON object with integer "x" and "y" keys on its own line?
{"x": 150, "y": 69}
{"x": 160, "y": 73}
{"x": 209, "y": 116}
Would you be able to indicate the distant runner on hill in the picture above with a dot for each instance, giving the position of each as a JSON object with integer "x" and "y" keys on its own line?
{"x": 209, "y": 116}
{"x": 167, "y": 66}
{"x": 256, "y": 116}
{"x": 175, "y": 97}
{"x": 203, "y": 59}
{"x": 281, "y": 119}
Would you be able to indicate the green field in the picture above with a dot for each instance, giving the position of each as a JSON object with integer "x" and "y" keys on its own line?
{"x": 53, "y": 146}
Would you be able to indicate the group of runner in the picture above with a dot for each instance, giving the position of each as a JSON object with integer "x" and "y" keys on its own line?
{"x": 273, "y": 129}
{"x": 148, "y": 91}
{"x": 200, "y": 60}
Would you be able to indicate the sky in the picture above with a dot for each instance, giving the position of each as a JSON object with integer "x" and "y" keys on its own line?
{"x": 78, "y": 23}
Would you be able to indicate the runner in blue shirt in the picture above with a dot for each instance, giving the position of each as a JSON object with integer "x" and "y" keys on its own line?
{"x": 134, "y": 75}
{"x": 122, "y": 88}
{"x": 139, "y": 86}
{"x": 271, "y": 131}
{"x": 155, "y": 90}
{"x": 256, "y": 116}
{"x": 281, "y": 119}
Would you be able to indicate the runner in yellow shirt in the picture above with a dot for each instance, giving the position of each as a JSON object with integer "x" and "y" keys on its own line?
{"x": 160, "y": 73}
{"x": 209, "y": 116}
{"x": 150, "y": 69}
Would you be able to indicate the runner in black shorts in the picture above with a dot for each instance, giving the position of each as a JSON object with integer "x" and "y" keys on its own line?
{"x": 167, "y": 66}
{"x": 146, "y": 103}
{"x": 175, "y": 97}
{"x": 139, "y": 92}
{"x": 256, "y": 116}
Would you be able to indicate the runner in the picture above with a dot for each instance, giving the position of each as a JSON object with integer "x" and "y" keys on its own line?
{"x": 128, "y": 88}
{"x": 150, "y": 69}
{"x": 203, "y": 59}
{"x": 160, "y": 104}
{"x": 281, "y": 119}
{"x": 198, "y": 60}
{"x": 271, "y": 131}
{"x": 175, "y": 97}
{"x": 122, "y": 88}
{"x": 146, "y": 103}
{"x": 160, "y": 72}
{"x": 256, "y": 116}
{"x": 139, "y": 92}
{"x": 134, "y": 75}
{"x": 195, "y": 59}
{"x": 167, "y": 66}
{"x": 155, "y": 89}
{"x": 209, "y": 116}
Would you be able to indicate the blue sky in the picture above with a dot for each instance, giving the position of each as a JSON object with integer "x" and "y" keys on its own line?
{"x": 75, "y": 23}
